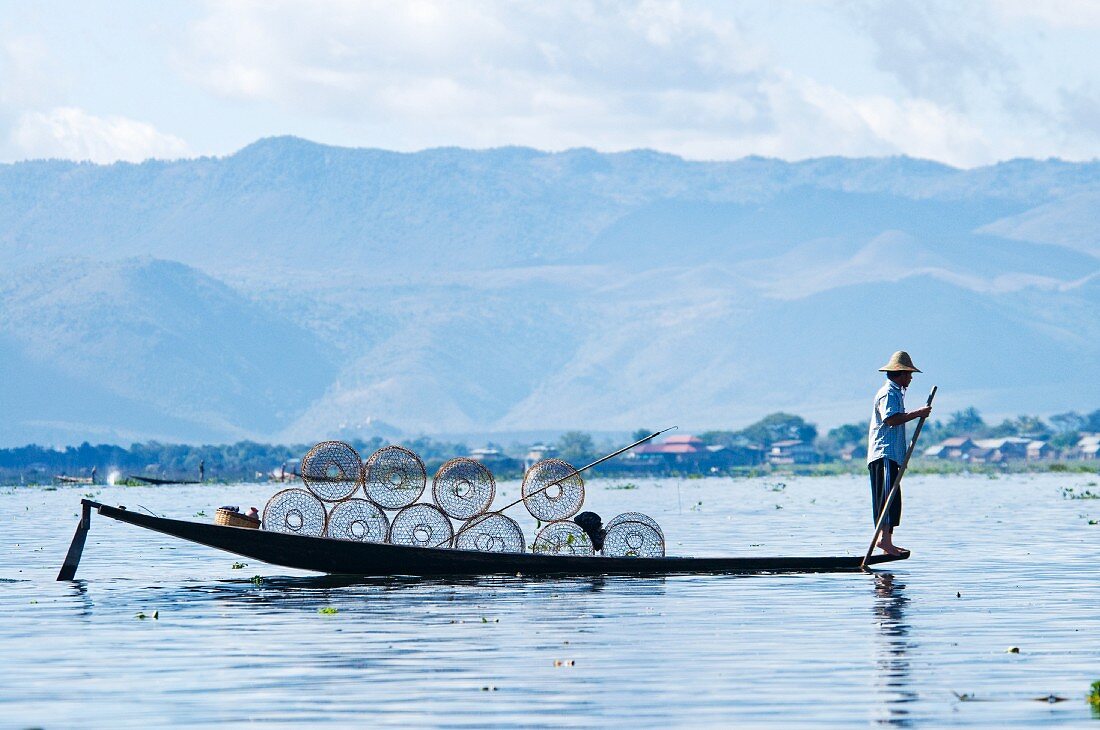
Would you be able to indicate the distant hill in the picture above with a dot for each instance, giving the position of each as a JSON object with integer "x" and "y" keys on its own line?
{"x": 293, "y": 291}
{"x": 147, "y": 349}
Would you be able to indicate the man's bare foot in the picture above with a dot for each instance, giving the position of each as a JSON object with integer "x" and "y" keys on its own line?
{"x": 891, "y": 549}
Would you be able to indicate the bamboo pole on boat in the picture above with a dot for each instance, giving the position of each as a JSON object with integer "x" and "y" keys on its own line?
{"x": 574, "y": 473}
{"x": 897, "y": 483}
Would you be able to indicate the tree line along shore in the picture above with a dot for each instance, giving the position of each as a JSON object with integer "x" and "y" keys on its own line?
{"x": 780, "y": 442}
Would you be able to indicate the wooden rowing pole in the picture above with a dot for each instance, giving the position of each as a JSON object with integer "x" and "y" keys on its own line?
{"x": 897, "y": 484}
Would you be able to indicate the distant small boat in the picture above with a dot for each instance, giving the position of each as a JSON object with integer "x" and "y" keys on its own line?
{"x": 152, "y": 480}
{"x": 346, "y": 557}
{"x": 74, "y": 480}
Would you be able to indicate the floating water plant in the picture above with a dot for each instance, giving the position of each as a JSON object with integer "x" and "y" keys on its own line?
{"x": 328, "y": 610}
{"x": 1093, "y": 696}
{"x": 257, "y": 580}
{"x": 239, "y": 565}
{"x": 1071, "y": 493}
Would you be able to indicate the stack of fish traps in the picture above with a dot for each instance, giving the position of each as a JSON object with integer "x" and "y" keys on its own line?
{"x": 380, "y": 500}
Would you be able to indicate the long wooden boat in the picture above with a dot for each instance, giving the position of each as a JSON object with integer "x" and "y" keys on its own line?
{"x": 344, "y": 557}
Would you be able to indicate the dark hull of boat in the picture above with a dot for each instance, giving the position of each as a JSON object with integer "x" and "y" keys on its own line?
{"x": 343, "y": 557}
{"x": 152, "y": 480}
{"x": 73, "y": 480}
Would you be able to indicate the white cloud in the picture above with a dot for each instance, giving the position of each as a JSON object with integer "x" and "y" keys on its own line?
{"x": 71, "y": 133}
{"x": 685, "y": 78}
{"x": 924, "y": 129}
{"x": 26, "y": 70}
{"x": 937, "y": 50}
{"x": 965, "y": 84}
{"x": 702, "y": 80}
{"x": 1054, "y": 13}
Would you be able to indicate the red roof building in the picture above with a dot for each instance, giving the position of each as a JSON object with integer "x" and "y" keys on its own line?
{"x": 691, "y": 453}
{"x": 675, "y": 445}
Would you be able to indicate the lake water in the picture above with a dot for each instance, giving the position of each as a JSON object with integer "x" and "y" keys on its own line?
{"x": 997, "y": 563}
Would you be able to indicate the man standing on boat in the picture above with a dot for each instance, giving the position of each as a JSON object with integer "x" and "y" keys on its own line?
{"x": 886, "y": 444}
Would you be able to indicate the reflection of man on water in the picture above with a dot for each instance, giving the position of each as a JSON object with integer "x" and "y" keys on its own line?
{"x": 886, "y": 444}
{"x": 890, "y": 604}
{"x": 893, "y": 656}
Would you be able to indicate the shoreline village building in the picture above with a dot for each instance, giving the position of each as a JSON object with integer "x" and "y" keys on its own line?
{"x": 691, "y": 453}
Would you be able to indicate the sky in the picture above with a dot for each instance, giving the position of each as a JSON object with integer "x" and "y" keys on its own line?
{"x": 967, "y": 84}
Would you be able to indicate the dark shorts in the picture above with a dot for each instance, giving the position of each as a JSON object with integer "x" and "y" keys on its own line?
{"x": 883, "y": 473}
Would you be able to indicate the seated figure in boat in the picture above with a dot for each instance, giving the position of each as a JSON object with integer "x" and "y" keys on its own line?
{"x": 592, "y": 525}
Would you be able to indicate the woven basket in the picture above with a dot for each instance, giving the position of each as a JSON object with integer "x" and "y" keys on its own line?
{"x": 234, "y": 519}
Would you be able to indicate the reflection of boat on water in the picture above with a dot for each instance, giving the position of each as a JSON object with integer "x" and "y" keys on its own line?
{"x": 347, "y": 557}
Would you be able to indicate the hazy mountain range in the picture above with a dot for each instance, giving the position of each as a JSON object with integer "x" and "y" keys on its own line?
{"x": 295, "y": 291}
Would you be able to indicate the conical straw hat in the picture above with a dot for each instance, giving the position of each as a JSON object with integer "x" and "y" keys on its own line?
{"x": 899, "y": 362}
